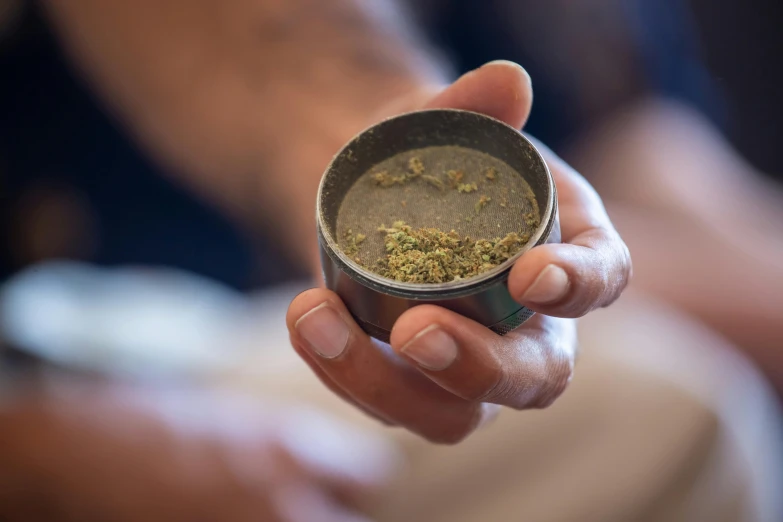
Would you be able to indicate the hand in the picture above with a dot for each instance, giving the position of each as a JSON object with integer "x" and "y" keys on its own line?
{"x": 95, "y": 453}
{"x": 445, "y": 374}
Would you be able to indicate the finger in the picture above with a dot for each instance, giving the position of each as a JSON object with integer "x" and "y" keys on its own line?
{"x": 500, "y": 89}
{"x": 528, "y": 368}
{"x": 592, "y": 266}
{"x": 372, "y": 375}
{"x": 308, "y": 358}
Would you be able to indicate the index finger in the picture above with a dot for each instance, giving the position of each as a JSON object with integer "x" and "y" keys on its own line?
{"x": 592, "y": 266}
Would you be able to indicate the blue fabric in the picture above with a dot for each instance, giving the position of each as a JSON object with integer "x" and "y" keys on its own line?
{"x": 52, "y": 130}
{"x": 663, "y": 38}
{"x": 665, "y": 35}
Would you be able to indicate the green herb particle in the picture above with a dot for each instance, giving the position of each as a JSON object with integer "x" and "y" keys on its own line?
{"x": 467, "y": 188}
{"x": 430, "y": 255}
{"x": 434, "y": 181}
{"x": 416, "y": 166}
{"x": 482, "y": 202}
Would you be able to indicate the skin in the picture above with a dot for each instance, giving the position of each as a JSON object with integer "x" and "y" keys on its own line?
{"x": 528, "y": 368}
{"x": 234, "y": 118}
{"x": 97, "y": 451}
{"x": 707, "y": 242}
{"x": 703, "y": 224}
{"x": 246, "y": 108}
{"x": 239, "y": 103}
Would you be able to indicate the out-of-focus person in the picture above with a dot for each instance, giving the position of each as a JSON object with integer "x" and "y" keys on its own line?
{"x": 218, "y": 93}
{"x": 629, "y": 98}
{"x": 91, "y": 450}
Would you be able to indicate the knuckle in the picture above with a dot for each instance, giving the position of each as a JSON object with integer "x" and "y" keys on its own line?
{"x": 558, "y": 375}
{"x": 517, "y": 386}
{"x": 539, "y": 373}
{"x": 605, "y": 277}
{"x": 485, "y": 377}
{"x": 500, "y": 389}
{"x": 604, "y": 287}
{"x": 590, "y": 292}
{"x": 621, "y": 273}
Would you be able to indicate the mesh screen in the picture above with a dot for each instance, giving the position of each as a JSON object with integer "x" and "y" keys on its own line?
{"x": 421, "y": 202}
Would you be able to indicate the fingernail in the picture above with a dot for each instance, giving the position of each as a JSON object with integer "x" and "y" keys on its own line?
{"x": 432, "y": 348}
{"x": 550, "y": 286}
{"x": 511, "y": 64}
{"x": 324, "y": 330}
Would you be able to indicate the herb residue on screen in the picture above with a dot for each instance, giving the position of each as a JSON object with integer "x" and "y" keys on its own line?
{"x": 454, "y": 213}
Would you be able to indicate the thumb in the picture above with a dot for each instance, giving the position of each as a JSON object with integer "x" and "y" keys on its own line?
{"x": 500, "y": 89}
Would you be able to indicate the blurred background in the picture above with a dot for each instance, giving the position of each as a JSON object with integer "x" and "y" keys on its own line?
{"x": 112, "y": 269}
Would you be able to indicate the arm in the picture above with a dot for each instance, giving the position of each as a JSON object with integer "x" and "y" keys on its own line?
{"x": 77, "y": 449}
{"x": 238, "y": 97}
{"x": 234, "y": 105}
{"x": 703, "y": 225}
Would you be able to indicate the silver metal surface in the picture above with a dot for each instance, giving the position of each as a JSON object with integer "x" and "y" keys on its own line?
{"x": 377, "y": 302}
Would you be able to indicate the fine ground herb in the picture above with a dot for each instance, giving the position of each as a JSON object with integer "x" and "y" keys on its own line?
{"x": 415, "y": 169}
{"x": 482, "y": 202}
{"x": 434, "y": 181}
{"x": 437, "y": 188}
{"x": 415, "y": 166}
{"x": 352, "y": 242}
{"x": 430, "y": 255}
{"x": 455, "y": 177}
{"x": 467, "y": 188}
